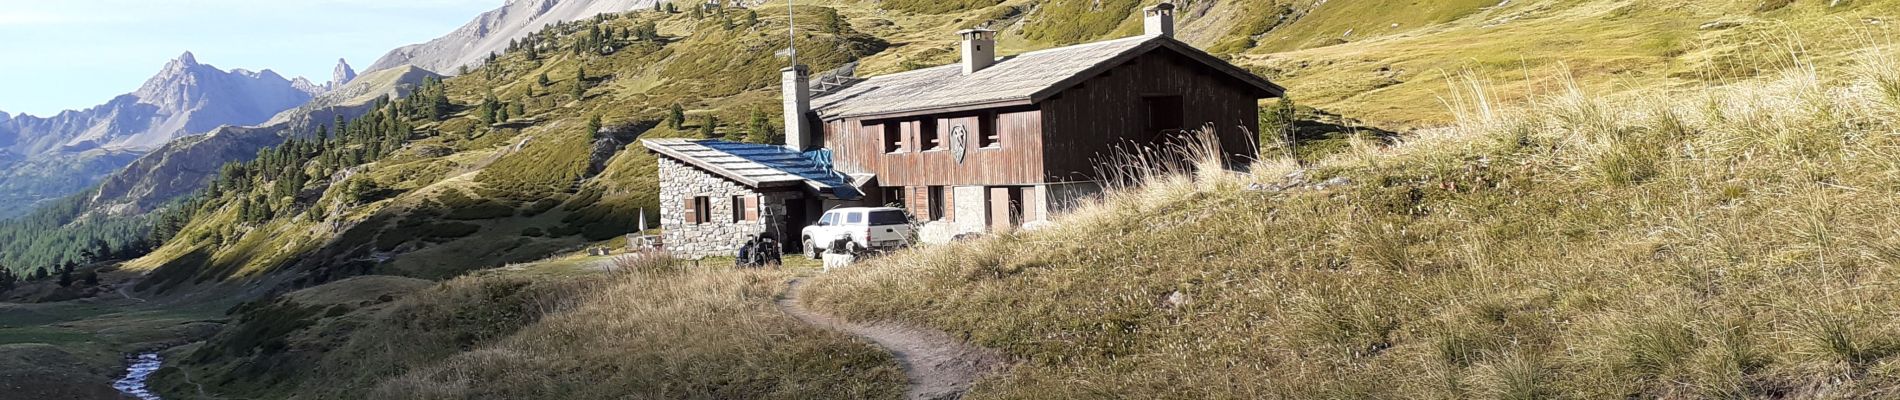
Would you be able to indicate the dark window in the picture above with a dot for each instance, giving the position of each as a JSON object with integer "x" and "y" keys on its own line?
{"x": 929, "y": 136}
{"x": 1164, "y": 113}
{"x": 894, "y": 197}
{"x": 880, "y": 218}
{"x": 738, "y": 208}
{"x": 893, "y": 137}
{"x": 987, "y": 133}
{"x": 702, "y": 210}
{"x": 936, "y": 203}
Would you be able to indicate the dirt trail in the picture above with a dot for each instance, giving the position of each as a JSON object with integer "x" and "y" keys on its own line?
{"x": 938, "y": 366}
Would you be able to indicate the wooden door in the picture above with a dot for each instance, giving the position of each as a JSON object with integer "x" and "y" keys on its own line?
{"x": 1006, "y": 208}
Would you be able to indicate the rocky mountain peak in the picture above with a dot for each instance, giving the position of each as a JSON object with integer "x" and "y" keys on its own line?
{"x": 344, "y": 74}
{"x": 491, "y": 32}
{"x": 187, "y": 58}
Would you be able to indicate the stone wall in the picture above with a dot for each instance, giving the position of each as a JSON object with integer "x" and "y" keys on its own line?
{"x": 720, "y": 237}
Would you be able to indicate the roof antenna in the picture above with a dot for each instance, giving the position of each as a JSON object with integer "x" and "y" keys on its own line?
{"x": 791, "y": 33}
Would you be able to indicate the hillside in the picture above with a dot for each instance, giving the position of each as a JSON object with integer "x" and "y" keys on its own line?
{"x": 428, "y": 186}
{"x": 492, "y": 31}
{"x": 1730, "y": 246}
{"x": 1601, "y": 199}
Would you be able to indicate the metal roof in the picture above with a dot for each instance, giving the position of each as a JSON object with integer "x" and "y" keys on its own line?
{"x": 1027, "y": 77}
{"x": 756, "y": 165}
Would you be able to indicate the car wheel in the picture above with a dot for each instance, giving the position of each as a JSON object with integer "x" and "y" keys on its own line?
{"x": 811, "y": 250}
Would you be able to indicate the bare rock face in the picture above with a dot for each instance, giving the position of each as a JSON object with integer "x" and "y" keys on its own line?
{"x": 342, "y": 75}
{"x": 42, "y": 158}
{"x": 490, "y": 32}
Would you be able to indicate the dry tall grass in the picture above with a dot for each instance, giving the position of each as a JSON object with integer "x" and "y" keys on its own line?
{"x": 1731, "y": 242}
{"x": 649, "y": 330}
{"x": 657, "y": 331}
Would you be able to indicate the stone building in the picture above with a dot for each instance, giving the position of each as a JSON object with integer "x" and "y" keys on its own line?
{"x": 986, "y": 144}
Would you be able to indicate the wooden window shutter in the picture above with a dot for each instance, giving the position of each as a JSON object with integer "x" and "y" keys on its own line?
{"x": 692, "y": 210}
{"x": 920, "y": 202}
{"x": 950, "y": 203}
{"x": 752, "y": 208}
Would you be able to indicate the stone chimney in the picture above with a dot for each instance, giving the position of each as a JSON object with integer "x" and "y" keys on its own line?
{"x": 1158, "y": 20}
{"x": 796, "y": 84}
{"x": 979, "y": 49}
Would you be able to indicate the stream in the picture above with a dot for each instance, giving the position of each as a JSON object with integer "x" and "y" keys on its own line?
{"x": 137, "y": 371}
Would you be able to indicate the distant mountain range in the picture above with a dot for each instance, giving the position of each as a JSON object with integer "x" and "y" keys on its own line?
{"x": 42, "y": 158}
{"x": 491, "y": 31}
{"x": 45, "y": 158}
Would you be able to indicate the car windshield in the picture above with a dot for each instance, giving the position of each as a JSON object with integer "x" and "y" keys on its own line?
{"x": 892, "y": 217}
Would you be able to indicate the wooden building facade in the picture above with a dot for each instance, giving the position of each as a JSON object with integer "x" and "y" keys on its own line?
{"x": 995, "y": 143}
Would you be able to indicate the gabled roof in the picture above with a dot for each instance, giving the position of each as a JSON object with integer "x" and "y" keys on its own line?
{"x": 1024, "y": 78}
{"x": 755, "y": 165}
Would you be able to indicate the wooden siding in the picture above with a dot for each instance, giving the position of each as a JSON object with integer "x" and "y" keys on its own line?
{"x": 858, "y": 146}
{"x": 1087, "y": 121}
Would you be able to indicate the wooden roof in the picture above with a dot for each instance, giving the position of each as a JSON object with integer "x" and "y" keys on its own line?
{"x": 1020, "y": 79}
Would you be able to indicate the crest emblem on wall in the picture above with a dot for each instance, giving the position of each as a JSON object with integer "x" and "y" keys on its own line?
{"x": 959, "y": 138}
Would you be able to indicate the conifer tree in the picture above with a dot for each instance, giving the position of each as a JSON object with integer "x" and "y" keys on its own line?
{"x": 541, "y": 80}
{"x": 672, "y": 9}
{"x": 7, "y": 279}
{"x": 708, "y": 129}
{"x": 580, "y": 83}
{"x": 760, "y": 129}
{"x": 676, "y": 118}
{"x": 751, "y": 18}
{"x": 66, "y": 274}
{"x": 593, "y": 125}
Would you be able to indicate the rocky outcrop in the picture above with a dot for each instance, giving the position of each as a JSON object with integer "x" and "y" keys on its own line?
{"x": 342, "y": 75}
{"x": 491, "y": 31}
{"x": 42, "y": 158}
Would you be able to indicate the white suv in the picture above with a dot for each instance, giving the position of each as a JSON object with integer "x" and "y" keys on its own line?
{"x": 877, "y": 228}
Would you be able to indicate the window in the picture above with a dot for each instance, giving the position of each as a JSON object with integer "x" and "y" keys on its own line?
{"x": 936, "y": 203}
{"x": 928, "y": 135}
{"x": 987, "y": 134}
{"x": 894, "y": 197}
{"x": 829, "y": 219}
{"x": 881, "y": 218}
{"x": 1164, "y": 113}
{"x": 738, "y": 209}
{"x": 699, "y": 210}
{"x": 855, "y": 218}
{"x": 893, "y": 137}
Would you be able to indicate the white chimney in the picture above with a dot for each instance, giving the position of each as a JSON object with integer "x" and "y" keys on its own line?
{"x": 1158, "y": 20}
{"x": 797, "y": 89}
{"x": 979, "y": 49}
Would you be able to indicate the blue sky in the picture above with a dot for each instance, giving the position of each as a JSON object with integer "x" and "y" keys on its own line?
{"x": 73, "y": 54}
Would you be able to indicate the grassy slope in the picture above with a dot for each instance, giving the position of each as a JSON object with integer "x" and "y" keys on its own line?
{"x": 539, "y": 157}
{"x": 537, "y": 331}
{"x": 1329, "y": 329}
{"x": 1733, "y": 245}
